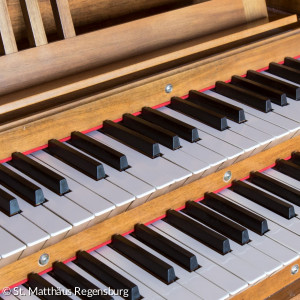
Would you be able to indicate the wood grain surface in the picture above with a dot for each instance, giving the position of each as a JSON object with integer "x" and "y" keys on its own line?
{"x": 90, "y": 111}
{"x": 292, "y": 6}
{"x": 6, "y": 31}
{"x": 40, "y": 63}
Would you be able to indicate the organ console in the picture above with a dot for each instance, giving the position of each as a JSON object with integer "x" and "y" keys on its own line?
{"x": 110, "y": 182}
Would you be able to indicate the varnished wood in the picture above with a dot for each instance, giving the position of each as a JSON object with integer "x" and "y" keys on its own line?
{"x": 255, "y": 9}
{"x": 125, "y": 222}
{"x": 6, "y": 31}
{"x": 292, "y": 6}
{"x": 34, "y": 23}
{"x": 91, "y": 111}
{"x": 288, "y": 292}
{"x": 117, "y": 43}
{"x": 63, "y": 18}
{"x": 44, "y": 92}
{"x": 100, "y": 12}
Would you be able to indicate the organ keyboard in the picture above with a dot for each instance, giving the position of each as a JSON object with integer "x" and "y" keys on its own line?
{"x": 75, "y": 193}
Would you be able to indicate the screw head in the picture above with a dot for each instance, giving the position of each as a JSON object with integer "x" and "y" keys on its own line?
{"x": 294, "y": 269}
{"x": 227, "y": 176}
{"x": 169, "y": 88}
{"x": 44, "y": 259}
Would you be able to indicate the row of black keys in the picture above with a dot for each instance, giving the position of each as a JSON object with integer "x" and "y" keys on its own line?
{"x": 214, "y": 233}
{"x": 206, "y": 212}
{"x": 138, "y": 133}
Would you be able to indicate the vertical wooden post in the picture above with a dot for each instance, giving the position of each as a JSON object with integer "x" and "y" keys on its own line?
{"x": 63, "y": 18}
{"x": 7, "y": 35}
{"x": 255, "y": 9}
{"x": 34, "y": 23}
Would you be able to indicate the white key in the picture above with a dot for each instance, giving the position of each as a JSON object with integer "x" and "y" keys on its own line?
{"x": 171, "y": 291}
{"x": 158, "y": 172}
{"x": 257, "y": 259}
{"x": 216, "y": 274}
{"x": 190, "y": 280}
{"x": 31, "y": 235}
{"x": 94, "y": 281}
{"x": 227, "y": 136}
{"x": 268, "y": 246}
{"x": 145, "y": 292}
{"x": 69, "y": 211}
{"x": 292, "y": 224}
{"x": 8, "y": 297}
{"x": 275, "y": 125}
{"x": 57, "y": 284}
{"x": 24, "y": 294}
{"x": 10, "y": 248}
{"x": 191, "y": 163}
{"x": 100, "y": 197}
{"x": 140, "y": 189}
{"x": 229, "y": 262}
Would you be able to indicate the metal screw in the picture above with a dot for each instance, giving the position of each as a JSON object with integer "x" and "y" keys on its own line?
{"x": 294, "y": 269}
{"x": 169, "y": 88}
{"x": 44, "y": 259}
{"x": 227, "y": 176}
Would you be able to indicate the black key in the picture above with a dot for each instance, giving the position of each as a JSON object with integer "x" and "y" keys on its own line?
{"x": 292, "y": 62}
{"x": 143, "y": 258}
{"x": 21, "y": 186}
{"x": 254, "y": 100}
{"x": 107, "y": 275}
{"x": 153, "y": 131}
{"x": 288, "y": 168}
{"x": 40, "y": 173}
{"x": 296, "y": 158}
{"x": 291, "y": 90}
{"x": 198, "y": 231}
{"x": 217, "y": 222}
{"x": 72, "y": 280}
{"x": 100, "y": 151}
{"x": 76, "y": 159}
{"x": 285, "y": 72}
{"x": 276, "y": 187}
{"x": 35, "y": 281}
{"x": 8, "y": 204}
{"x": 232, "y": 112}
{"x": 202, "y": 114}
{"x": 166, "y": 247}
{"x": 264, "y": 199}
{"x": 184, "y": 130}
{"x": 276, "y": 96}
{"x": 131, "y": 138}
{"x": 236, "y": 212}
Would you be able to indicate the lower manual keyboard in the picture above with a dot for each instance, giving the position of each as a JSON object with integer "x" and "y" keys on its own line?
{"x": 212, "y": 249}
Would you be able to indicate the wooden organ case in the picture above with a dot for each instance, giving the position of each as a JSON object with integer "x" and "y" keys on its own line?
{"x": 69, "y": 65}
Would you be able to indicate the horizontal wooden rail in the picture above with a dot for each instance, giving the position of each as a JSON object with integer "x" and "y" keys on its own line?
{"x": 88, "y": 112}
{"x": 105, "y": 46}
{"x": 86, "y": 79}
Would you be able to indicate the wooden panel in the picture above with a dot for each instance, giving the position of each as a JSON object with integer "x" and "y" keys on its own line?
{"x": 255, "y": 9}
{"x": 6, "y": 31}
{"x": 85, "y": 79}
{"x": 63, "y": 18}
{"x": 290, "y": 6}
{"x": 125, "y": 222}
{"x": 289, "y": 292}
{"x": 117, "y": 43}
{"x": 34, "y": 23}
{"x": 58, "y": 123}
